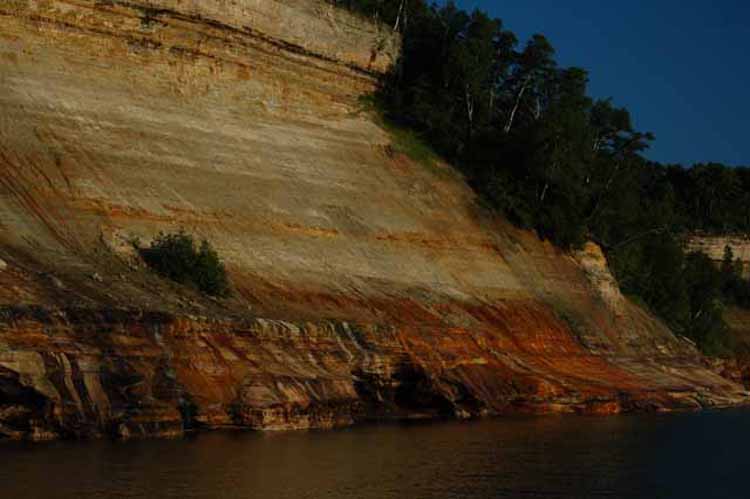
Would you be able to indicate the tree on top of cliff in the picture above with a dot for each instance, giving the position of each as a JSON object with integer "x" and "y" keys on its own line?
{"x": 539, "y": 150}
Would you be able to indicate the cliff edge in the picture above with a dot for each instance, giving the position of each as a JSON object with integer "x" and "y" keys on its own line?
{"x": 366, "y": 285}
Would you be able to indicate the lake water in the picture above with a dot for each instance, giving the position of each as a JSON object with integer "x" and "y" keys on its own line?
{"x": 702, "y": 455}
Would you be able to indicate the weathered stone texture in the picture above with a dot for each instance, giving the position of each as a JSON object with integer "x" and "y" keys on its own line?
{"x": 715, "y": 245}
{"x": 366, "y": 285}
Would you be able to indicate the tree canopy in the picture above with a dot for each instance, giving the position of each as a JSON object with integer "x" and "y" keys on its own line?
{"x": 538, "y": 149}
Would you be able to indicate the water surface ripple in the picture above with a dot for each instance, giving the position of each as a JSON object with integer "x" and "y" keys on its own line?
{"x": 686, "y": 455}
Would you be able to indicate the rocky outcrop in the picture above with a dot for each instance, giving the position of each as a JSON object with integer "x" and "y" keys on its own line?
{"x": 365, "y": 285}
{"x": 715, "y": 245}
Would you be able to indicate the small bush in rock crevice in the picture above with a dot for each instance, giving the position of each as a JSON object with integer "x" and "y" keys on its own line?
{"x": 178, "y": 257}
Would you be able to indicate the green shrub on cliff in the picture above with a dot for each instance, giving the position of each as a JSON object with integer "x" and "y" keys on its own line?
{"x": 179, "y": 258}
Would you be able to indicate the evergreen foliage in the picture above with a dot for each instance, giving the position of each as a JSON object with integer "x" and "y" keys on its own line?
{"x": 179, "y": 258}
{"x": 538, "y": 149}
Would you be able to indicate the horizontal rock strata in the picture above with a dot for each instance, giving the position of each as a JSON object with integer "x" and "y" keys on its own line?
{"x": 715, "y": 246}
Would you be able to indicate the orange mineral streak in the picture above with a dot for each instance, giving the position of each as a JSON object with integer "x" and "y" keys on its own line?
{"x": 366, "y": 285}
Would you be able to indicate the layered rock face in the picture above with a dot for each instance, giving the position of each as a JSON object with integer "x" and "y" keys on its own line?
{"x": 714, "y": 247}
{"x": 365, "y": 285}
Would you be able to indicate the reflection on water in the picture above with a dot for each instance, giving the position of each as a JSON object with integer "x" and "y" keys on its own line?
{"x": 687, "y": 455}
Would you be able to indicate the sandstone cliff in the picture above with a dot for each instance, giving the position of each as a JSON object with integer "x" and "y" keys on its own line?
{"x": 715, "y": 245}
{"x": 366, "y": 285}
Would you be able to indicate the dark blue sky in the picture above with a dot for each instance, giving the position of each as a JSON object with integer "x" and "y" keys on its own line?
{"x": 682, "y": 68}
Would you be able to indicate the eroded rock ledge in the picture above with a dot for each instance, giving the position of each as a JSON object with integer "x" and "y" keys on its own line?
{"x": 84, "y": 373}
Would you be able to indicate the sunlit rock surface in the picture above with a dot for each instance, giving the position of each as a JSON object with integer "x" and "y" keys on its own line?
{"x": 366, "y": 285}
